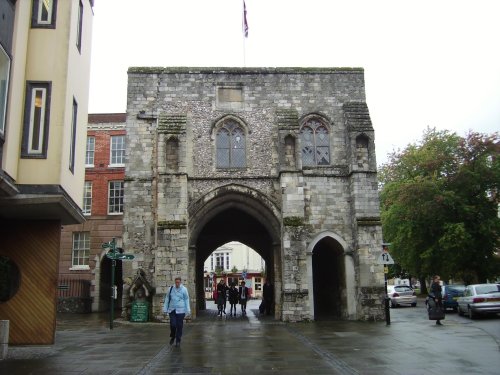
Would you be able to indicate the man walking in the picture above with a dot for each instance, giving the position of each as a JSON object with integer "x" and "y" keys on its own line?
{"x": 176, "y": 305}
{"x": 243, "y": 295}
{"x": 437, "y": 293}
{"x": 268, "y": 293}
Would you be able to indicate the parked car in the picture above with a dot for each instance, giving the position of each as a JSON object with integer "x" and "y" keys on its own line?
{"x": 401, "y": 295}
{"x": 480, "y": 299}
{"x": 451, "y": 293}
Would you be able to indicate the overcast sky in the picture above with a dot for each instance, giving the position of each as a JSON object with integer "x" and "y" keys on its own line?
{"x": 427, "y": 63}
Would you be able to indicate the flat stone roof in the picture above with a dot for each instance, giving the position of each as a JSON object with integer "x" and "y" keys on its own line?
{"x": 239, "y": 70}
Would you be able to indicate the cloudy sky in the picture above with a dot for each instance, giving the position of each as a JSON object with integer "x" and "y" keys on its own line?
{"x": 427, "y": 63}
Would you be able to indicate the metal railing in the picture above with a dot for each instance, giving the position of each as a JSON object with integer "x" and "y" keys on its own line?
{"x": 72, "y": 287}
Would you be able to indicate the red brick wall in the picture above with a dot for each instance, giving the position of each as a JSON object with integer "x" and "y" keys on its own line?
{"x": 101, "y": 174}
{"x": 102, "y": 227}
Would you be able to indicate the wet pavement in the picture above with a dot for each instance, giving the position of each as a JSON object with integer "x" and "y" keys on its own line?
{"x": 260, "y": 345}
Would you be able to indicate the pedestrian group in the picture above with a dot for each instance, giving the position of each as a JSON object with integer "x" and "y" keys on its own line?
{"x": 223, "y": 293}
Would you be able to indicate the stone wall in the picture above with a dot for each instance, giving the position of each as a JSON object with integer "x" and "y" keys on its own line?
{"x": 174, "y": 115}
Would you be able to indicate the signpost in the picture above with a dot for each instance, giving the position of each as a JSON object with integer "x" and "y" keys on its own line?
{"x": 114, "y": 253}
{"x": 386, "y": 259}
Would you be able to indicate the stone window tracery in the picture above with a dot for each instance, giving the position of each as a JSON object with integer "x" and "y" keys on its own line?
{"x": 230, "y": 144}
{"x": 315, "y": 140}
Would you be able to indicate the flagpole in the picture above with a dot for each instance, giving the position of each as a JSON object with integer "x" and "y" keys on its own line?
{"x": 244, "y": 52}
{"x": 245, "y": 33}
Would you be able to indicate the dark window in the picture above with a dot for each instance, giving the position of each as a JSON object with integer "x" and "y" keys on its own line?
{"x": 74, "y": 121}
{"x": 230, "y": 144}
{"x": 36, "y": 120}
{"x": 315, "y": 141}
{"x": 10, "y": 278}
{"x": 79, "y": 27}
{"x": 44, "y": 14}
{"x": 4, "y": 86}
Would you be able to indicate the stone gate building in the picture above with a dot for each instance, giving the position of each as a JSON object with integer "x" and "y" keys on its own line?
{"x": 280, "y": 159}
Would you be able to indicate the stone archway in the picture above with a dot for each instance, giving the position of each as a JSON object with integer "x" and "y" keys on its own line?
{"x": 331, "y": 274}
{"x": 235, "y": 213}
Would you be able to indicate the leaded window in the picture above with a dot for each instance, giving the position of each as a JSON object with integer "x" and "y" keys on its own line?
{"x": 315, "y": 140}
{"x": 230, "y": 145}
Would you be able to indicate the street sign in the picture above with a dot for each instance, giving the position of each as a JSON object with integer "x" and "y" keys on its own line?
{"x": 385, "y": 258}
{"x": 118, "y": 256}
{"x": 125, "y": 256}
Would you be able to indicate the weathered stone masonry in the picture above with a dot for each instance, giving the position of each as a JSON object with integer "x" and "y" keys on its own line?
{"x": 176, "y": 190}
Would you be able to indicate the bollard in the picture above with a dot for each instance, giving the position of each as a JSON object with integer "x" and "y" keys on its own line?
{"x": 4, "y": 338}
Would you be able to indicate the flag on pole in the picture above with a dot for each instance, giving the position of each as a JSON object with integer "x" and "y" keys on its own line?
{"x": 245, "y": 23}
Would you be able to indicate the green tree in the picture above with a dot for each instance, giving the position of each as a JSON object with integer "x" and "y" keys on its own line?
{"x": 439, "y": 203}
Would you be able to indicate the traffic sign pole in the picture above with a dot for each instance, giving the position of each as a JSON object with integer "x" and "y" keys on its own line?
{"x": 385, "y": 259}
{"x": 112, "y": 305}
{"x": 114, "y": 254}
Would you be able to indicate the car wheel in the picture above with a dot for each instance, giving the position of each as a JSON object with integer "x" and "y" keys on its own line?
{"x": 471, "y": 313}
{"x": 392, "y": 305}
{"x": 414, "y": 304}
{"x": 460, "y": 312}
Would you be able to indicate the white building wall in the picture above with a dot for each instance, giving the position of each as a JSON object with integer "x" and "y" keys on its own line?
{"x": 240, "y": 256}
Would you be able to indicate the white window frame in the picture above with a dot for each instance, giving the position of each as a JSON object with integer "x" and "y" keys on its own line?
{"x": 111, "y": 149}
{"x": 3, "y": 103}
{"x": 109, "y": 197}
{"x": 87, "y": 151}
{"x": 87, "y": 198}
{"x": 41, "y": 130}
{"x": 86, "y": 241}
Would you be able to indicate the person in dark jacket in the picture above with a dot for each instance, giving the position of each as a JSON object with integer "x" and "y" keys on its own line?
{"x": 233, "y": 298}
{"x": 221, "y": 297}
{"x": 437, "y": 293}
{"x": 244, "y": 296}
{"x": 267, "y": 296}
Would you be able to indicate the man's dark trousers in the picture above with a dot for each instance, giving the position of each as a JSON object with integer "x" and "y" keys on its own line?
{"x": 176, "y": 325}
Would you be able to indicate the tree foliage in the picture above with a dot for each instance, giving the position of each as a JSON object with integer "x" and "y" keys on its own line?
{"x": 439, "y": 203}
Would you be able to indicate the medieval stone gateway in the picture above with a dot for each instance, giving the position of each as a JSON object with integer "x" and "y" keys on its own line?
{"x": 280, "y": 159}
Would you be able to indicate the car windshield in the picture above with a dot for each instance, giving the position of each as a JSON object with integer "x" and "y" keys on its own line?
{"x": 457, "y": 288}
{"x": 486, "y": 289}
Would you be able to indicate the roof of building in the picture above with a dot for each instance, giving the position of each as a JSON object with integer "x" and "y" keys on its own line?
{"x": 97, "y": 118}
{"x": 239, "y": 70}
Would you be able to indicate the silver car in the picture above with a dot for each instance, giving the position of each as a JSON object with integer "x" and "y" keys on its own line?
{"x": 480, "y": 299}
{"x": 401, "y": 295}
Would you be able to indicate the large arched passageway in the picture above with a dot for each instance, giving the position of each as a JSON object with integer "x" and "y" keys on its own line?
{"x": 235, "y": 216}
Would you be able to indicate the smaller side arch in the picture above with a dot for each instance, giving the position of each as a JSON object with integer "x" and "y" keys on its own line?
{"x": 343, "y": 302}
{"x": 331, "y": 234}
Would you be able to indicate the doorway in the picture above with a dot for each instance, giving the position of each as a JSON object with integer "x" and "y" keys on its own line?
{"x": 328, "y": 279}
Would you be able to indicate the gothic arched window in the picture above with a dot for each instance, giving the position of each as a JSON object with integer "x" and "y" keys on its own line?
{"x": 315, "y": 142}
{"x": 230, "y": 144}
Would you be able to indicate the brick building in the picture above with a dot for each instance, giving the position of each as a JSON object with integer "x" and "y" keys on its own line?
{"x": 280, "y": 159}
{"x": 84, "y": 271}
